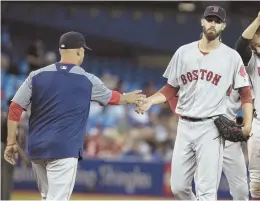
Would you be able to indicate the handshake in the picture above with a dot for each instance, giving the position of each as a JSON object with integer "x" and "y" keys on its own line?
{"x": 140, "y": 100}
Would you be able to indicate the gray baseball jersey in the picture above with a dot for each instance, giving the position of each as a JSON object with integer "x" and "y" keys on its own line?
{"x": 233, "y": 104}
{"x": 203, "y": 84}
{"x": 253, "y": 70}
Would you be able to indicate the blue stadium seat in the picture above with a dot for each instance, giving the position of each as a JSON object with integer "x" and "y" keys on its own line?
{"x": 3, "y": 73}
{"x": 20, "y": 79}
{"x": 23, "y": 67}
{"x": 10, "y": 86}
{"x": 5, "y": 36}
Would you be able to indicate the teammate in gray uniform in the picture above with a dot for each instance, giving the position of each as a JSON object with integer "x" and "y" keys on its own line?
{"x": 202, "y": 72}
{"x": 248, "y": 47}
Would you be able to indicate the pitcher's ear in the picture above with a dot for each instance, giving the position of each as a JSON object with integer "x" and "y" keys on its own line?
{"x": 223, "y": 26}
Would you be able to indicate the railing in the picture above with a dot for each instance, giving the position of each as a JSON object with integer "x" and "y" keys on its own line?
{"x": 117, "y": 177}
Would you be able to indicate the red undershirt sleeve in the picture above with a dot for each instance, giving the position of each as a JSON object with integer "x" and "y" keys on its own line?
{"x": 115, "y": 98}
{"x": 169, "y": 91}
{"x": 15, "y": 112}
{"x": 245, "y": 95}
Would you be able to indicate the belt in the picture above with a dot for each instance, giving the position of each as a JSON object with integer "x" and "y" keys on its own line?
{"x": 195, "y": 119}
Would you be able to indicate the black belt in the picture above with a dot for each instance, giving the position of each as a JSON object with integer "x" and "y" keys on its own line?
{"x": 195, "y": 119}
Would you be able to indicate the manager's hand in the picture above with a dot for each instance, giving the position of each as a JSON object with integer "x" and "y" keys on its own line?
{"x": 11, "y": 153}
{"x": 134, "y": 97}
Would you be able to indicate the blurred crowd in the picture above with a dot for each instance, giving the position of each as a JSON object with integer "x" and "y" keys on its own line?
{"x": 113, "y": 132}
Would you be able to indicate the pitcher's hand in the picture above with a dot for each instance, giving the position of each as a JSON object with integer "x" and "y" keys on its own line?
{"x": 143, "y": 107}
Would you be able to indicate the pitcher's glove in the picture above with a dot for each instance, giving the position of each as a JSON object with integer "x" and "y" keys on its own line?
{"x": 229, "y": 130}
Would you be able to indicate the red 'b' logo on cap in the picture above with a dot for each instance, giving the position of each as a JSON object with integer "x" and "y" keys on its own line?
{"x": 215, "y": 9}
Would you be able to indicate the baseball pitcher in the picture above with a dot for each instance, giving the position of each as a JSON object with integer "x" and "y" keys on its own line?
{"x": 202, "y": 72}
{"x": 234, "y": 166}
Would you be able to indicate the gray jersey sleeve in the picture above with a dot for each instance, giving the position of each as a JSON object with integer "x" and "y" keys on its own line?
{"x": 100, "y": 93}
{"x": 24, "y": 93}
{"x": 251, "y": 65}
{"x": 172, "y": 69}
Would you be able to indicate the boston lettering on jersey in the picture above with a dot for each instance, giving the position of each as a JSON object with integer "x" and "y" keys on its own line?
{"x": 202, "y": 74}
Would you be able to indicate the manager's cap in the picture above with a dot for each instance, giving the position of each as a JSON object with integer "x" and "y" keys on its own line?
{"x": 215, "y": 11}
{"x": 73, "y": 40}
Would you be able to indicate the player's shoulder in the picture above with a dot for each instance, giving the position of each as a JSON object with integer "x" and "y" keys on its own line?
{"x": 188, "y": 46}
{"x": 229, "y": 51}
{"x": 94, "y": 79}
{"x": 80, "y": 71}
{"x": 77, "y": 70}
{"x": 89, "y": 75}
{"x": 50, "y": 67}
{"x": 184, "y": 49}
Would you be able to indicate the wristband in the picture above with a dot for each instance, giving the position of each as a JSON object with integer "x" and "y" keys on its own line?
{"x": 11, "y": 144}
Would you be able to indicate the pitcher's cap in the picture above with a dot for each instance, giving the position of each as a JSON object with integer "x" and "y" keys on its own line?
{"x": 215, "y": 11}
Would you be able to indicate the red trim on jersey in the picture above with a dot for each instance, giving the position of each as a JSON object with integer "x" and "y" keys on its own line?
{"x": 15, "y": 112}
{"x": 245, "y": 95}
{"x": 204, "y": 53}
{"x": 169, "y": 91}
{"x": 115, "y": 98}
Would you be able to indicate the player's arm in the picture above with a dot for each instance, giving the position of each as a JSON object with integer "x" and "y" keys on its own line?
{"x": 105, "y": 96}
{"x": 168, "y": 91}
{"x": 20, "y": 102}
{"x": 173, "y": 103}
{"x": 126, "y": 98}
{"x": 242, "y": 45}
{"x": 247, "y": 106}
{"x": 252, "y": 28}
{"x": 241, "y": 82}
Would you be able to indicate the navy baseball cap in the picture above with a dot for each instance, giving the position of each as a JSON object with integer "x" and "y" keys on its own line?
{"x": 215, "y": 11}
{"x": 73, "y": 40}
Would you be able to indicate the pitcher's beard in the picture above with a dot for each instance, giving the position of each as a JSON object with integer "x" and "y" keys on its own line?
{"x": 210, "y": 35}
